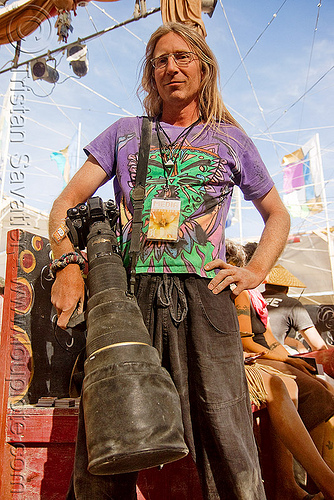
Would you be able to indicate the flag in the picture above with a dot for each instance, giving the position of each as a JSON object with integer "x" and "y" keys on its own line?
{"x": 302, "y": 180}
{"x": 4, "y": 138}
{"x": 67, "y": 159}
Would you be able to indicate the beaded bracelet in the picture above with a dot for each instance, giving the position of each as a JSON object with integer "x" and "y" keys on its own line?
{"x": 66, "y": 259}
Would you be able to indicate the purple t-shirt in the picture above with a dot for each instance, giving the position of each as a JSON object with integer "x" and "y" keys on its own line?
{"x": 206, "y": 168}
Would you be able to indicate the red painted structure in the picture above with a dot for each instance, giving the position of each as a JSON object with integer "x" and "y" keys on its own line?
{"x": 37, "y": 443}
{"x": 325, "y": 358}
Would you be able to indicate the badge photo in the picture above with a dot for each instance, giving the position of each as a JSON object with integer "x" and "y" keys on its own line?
{"x": 164, "y": 219}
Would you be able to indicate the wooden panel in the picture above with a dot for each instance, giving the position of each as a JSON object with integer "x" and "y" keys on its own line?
{"x": 6, "y": 459}
{"x": 42, "y": 472}
{"x": 36, "y": 444}
{"x": 42, "y": 425}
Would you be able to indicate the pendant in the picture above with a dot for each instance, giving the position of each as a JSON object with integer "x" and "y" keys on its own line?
{"x": 169, "y": 163}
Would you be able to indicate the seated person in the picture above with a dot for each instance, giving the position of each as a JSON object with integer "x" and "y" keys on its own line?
{"x": 288, "y": 436}
{"x": 315, "y": 402}
{"x": 287, "y": 314}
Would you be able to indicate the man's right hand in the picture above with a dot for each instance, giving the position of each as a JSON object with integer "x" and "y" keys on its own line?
{"x": 67, "y": 293}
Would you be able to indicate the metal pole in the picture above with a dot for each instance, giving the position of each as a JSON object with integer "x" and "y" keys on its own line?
{"x": 78, "y": 149}
{"x": 324, "y": 198}
{"x": 5, "y": 132}
{"x": 89, "y": 37}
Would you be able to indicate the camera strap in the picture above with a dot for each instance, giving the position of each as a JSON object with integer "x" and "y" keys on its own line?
{"x": 138, "y": 196}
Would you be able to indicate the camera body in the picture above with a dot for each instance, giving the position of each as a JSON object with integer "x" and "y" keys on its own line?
{"x": 131, "y": 407}
{"x": 80, "y": 219}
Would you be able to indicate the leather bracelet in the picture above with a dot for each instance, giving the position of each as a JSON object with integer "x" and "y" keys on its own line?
{"x": 66, "y": 259}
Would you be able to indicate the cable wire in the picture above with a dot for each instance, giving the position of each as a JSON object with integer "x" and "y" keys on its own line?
{"x": 309, "y": 64}
{"x": 107, "y": 53}
{"x": 256, "y": 41}
{"x": 248, "y": 76}
{"x": 301, "y": 97}
{"x": 84, "y": 39}
{"x": 99, "y": 95}
{"x": 115, "y": 20}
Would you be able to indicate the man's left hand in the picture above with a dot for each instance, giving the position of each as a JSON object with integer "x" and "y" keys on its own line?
{"x": 242, "y": 277}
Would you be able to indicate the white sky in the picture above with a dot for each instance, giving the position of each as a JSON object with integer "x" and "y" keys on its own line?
{"x": 288, "y": 53}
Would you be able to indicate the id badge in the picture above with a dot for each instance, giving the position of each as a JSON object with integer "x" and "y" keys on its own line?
{"x": 164, "y": 219}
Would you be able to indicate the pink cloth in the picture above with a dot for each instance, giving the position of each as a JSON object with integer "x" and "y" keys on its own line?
{"x": 260, "y": 305}
{"x": 293, "y": 177}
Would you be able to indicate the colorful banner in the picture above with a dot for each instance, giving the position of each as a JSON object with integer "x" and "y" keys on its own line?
{"x": 66, "y": 159}
{"x": 302, "y": 180}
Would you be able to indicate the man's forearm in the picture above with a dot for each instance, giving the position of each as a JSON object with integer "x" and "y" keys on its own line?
{"x": 81, "y": 187}
{"x": 56, "y": 221}
{"x": 271, "y": 245}
{"x": 273, "y": 239}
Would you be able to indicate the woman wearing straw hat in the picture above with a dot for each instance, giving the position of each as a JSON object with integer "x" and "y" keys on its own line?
{"x": 287, "y": 313}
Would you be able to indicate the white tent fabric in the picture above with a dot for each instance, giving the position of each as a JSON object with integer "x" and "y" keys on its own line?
{"x": 307, "y": 257}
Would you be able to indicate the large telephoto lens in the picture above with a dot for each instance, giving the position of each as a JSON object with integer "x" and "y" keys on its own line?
{"x": 131, "y": 407}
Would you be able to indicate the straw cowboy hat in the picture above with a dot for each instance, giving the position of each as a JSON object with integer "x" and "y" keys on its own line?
{"x": 282, "y": 277}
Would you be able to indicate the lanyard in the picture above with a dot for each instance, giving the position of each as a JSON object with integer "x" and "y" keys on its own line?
{"x": 170, "y": 152}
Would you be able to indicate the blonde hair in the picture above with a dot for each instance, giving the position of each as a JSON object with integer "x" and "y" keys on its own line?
{"x": 211, "y": 106}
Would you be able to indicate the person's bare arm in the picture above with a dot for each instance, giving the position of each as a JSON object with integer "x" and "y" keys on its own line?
{"x": 68, "y": 289}
{"x": 313, "y": 338}
{"x": 276, "y": 350}
{"x": 242, "y": 306}
{"x": 296, "y": 344}
{"x": 271, "y": 245}
{"x": 279, "y": 353}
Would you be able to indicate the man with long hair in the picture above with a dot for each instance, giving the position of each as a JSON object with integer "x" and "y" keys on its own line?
{"x": 198, "y": 153}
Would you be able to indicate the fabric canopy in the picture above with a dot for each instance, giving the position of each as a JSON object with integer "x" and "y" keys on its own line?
{"x": 184, "y": 11}
{"x": 22, "y": 18}
{"x": 306, "y": 256}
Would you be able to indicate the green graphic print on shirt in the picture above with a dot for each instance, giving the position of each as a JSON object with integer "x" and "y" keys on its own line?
{"x": 200, "y": 180}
